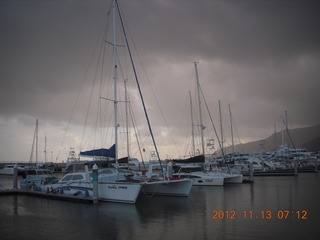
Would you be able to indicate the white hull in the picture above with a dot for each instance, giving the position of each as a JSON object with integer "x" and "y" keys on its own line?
{"x": 7, "y": 171}
{"x": 119, "y": 192}
{"x": 208, "y": 182}
{"x": 204, "y": 178}
{"x": 232, "y": 178}
{"x": 107, "y": 191}
{"x": 180, "y": 187}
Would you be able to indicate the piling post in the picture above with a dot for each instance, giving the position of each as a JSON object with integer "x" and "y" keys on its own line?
{"x": 95, "y": 183}
{"x": 15, "y": 177}
{"x": 169, "y": 170}
{"x": 251, "y": 170}
{"x": 295, "y": 166}
{"x": 86, "y": 170}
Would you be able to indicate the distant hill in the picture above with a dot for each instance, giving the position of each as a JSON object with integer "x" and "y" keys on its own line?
{"x": 307, "y": 138}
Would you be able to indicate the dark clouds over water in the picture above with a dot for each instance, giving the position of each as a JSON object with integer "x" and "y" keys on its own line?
{"x": 262, "y": 57}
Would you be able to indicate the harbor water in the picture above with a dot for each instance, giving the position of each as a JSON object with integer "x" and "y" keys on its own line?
{"x": 286, "y": 207}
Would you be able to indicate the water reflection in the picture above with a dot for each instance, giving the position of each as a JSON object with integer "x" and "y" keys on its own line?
{"x": 168, "y": 217}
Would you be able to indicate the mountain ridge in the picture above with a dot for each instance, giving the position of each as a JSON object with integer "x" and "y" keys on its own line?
{"x": 306, "y": 137}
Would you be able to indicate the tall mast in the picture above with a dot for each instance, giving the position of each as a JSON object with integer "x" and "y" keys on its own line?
{"x": 45, "y": 149}
{"x": 232, "y": 142}
{"x": 37, "y": 141}
{"x": 115, "y": 77}
{"x": 200, "y": 113}
{"x": 192, "y": 127}
{"x": 139, "y": 88}
{"x": 286, "y": 126}
{"x": 275, "y": 137}
{"x": 221, "y": 126}
{"x": 127, "y": 120}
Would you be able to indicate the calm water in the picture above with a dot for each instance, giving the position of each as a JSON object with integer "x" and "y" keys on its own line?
{"x": 154, "y": 218}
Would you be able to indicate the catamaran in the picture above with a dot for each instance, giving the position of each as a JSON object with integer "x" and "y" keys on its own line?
{"x": 114, "y": 185}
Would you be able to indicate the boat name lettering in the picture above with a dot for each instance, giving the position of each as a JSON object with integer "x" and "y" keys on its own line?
{"x": 117, "y": 187}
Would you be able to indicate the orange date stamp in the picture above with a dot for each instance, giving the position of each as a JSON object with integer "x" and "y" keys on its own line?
{"x": 264, "y": 214}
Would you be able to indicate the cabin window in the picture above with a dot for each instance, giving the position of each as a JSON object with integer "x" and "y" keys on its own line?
{"x": 66, "y": 178}
{"x": 77, "y": 177}
{"x": 106, "y": 171}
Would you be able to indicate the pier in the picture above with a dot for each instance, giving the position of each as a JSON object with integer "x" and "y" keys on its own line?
{"x": 54, "y": 196}
{"x": 283, "y": 172}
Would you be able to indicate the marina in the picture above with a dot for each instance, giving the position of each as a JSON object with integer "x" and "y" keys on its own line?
{"x": 234, "y": 211}
{"x": 113, "y": 82}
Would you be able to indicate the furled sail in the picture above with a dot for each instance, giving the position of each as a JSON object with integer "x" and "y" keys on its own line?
{"x": 102, "y": 152}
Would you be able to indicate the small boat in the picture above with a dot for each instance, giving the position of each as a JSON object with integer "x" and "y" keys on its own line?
{"x": 9, "y": 169}
{"x": 33, "y": 179}
{"x": 232, "y": 177}
{"x": 199, "y": 177}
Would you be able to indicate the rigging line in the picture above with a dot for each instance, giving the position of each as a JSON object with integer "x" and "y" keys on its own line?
{"x": 287, "y": 130}
{"x": 77, "y": 99}
{"x": 90, "y": 100}
{"x": 101, "y": 60}
{"x": 99, "y": 116}
{"x": 136, "y": 133}
{"x": 152, "y": 90}
{"x": 32, "y": 148}
{"x": 236, "y": 130}
{"x": 215, "y": 131}
{"x": 138, "y": 84}
{"x": 186, "y": 131}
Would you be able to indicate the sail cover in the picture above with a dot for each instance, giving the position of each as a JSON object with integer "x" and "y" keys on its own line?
{"x": 102, "y": 152}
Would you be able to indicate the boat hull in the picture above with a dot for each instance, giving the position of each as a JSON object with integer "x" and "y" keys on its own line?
{"x": 179, "y": 187}
{"x": 107, "y": 191}
{"x": 118, "y": 192}
{"x": 203, "y": 178}
{"x": 233, "y": 178}
{"x": 208, "y": 182}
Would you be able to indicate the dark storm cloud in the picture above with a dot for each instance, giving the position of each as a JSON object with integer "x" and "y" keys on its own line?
{"x": 262, "y": 57}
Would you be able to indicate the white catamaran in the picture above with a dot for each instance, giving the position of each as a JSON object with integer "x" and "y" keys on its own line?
{"x": 114, "y": 184}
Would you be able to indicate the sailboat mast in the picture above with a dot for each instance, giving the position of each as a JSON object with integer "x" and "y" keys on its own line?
{"x": 232, "y": 141}
{"x": 200, "y": 113}
{"x": 37, "y": 141}
{"x": 127, "y": 120}
{"x": 221, "y": 126}
{"x": 115, "y": 78}
{"x": 192, "y": 127}
{"x": 275, "y": 137}
{"x": 45, "y": 149}
{"x": 139, "y": 88}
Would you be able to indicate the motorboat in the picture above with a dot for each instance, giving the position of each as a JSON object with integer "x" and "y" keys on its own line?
{"x": 230, "y": 174}
{"x": 199, "y": 177}
{"x": 244, "y": 164}
{"x": 9, "y": 169}
{"x": 33, "y": 179}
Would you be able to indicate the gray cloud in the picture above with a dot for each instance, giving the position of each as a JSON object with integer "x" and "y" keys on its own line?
{"x": 262, "y": 57}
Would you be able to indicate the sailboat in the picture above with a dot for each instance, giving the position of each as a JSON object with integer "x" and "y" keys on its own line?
{"x": 194, "y": 171}
{"x": 229, "y": 177}
{"x": 163, "y": 185}
{"x": 115, "y": 184}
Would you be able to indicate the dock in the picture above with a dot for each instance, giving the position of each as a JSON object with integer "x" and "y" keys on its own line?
{"x": 282, "y": 172}
{"x": 54, "y": 196}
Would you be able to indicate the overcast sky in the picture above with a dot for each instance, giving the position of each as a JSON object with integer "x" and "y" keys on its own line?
{"x": 261, "y": 57}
